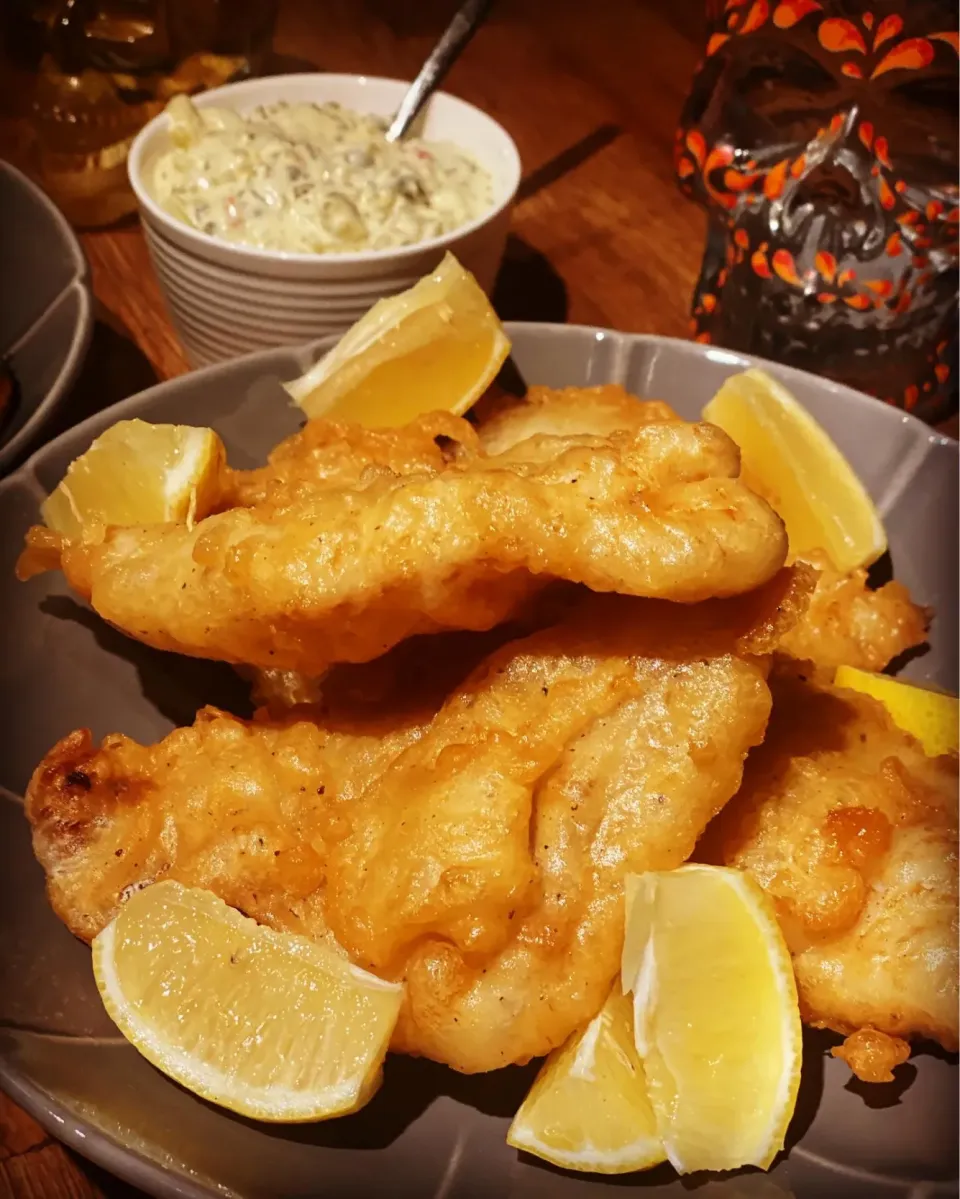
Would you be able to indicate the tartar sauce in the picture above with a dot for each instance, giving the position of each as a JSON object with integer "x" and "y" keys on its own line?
{"x": 312, "y": 178}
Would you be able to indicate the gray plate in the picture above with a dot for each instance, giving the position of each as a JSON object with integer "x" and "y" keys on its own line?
{"x": 46, "y": 313}
{"x": 429, "y": 1132}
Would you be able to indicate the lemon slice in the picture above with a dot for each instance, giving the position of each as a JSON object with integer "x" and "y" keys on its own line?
{"x": 138, "y": 474}
{"x": 930, "y": 716}
{"x": 434, "y": 347}
{"x": 588, "y": 1109}
{"x": 792, "y": 462}
{"x": 716, "y": 1018}
{"x": 270, "y": 1025}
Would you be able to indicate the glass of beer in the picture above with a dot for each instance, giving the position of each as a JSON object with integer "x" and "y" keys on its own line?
{"x": 83, "y": 76}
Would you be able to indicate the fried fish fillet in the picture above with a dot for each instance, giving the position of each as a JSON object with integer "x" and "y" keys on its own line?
{"x": 852, "y": 830}
{"x": 492, "y": 880}
{"x": 239, "y": 808}
{"x": 473, "y": 843}
{"x": 569, "y": 412}
{"x": 336, "y": 455}
{"x": 847, "y": 624}
{"x": 341, "y": 572}
{"x": 243, "y": 808}
{"x": 430, "y": 664}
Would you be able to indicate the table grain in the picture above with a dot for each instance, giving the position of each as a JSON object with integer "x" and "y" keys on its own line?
{"x": 590, "y": 92}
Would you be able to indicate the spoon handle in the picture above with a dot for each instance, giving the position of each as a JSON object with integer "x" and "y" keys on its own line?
{"x": 460, "y": 30}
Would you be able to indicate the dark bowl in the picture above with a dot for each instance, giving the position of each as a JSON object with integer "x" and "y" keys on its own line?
{"x": 46, "y": 311}
{"x": 429, "y": 1132}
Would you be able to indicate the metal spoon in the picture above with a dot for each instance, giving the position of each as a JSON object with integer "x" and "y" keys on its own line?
{"x": 461, "y": 29}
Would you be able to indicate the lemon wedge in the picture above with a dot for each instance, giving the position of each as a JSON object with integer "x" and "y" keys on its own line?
{"x": 267, "y": 1024}
{"x": 588, "y": 1108}
{"x": 930, "y": 716}
{"x": 137, "y": 473}
{"x": 716, "y": 1017}
{"x": 436, "y": 346}
{"x": 792, "y": 462}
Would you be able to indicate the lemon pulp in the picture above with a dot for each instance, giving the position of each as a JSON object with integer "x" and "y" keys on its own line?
{"x": 716, "y": 1017}
{"x": 137, "y": 473}
{"x": 930, "y": 716}
{"x": 436, "y": 346}
{"x": 789, "y": 459}
{"x": 271, "y": 1025}
{"x": 588, "y": 1108}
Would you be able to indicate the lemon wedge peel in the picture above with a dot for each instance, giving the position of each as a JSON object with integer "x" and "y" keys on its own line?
{"x": 588, "y": 1109}
{"x": 317, "y": 974}
{"x": 436, "y": 346}
{"x": 932, "y": 717}
{"x": 790, "y": 459}
{"x": 680, "y": 1026}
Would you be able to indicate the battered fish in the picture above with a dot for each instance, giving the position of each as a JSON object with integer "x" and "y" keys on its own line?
{"x": 341, "y": 572}
{"x": 847, "y": 624}
{"x": 337, "y": 455}
{"x": 473, "y": 845}
{"x": 242, "y": 809}
{"x": 852, "y": 830}
{"x": 569, "y": 412}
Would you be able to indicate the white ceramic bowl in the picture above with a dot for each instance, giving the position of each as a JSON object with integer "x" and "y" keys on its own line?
{"x": 227, "y": 299}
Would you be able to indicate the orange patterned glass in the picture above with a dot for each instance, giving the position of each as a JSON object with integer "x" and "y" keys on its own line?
{"x": 821, "y": 137}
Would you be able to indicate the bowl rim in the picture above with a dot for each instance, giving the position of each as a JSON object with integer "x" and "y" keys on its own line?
{"x": 12, "y": 447}
{"x": 307, "y": 353}
{"x": 205, "y": 242}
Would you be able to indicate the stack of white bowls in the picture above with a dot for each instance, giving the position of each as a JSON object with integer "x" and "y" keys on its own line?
{"x": 227, "y": 299}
